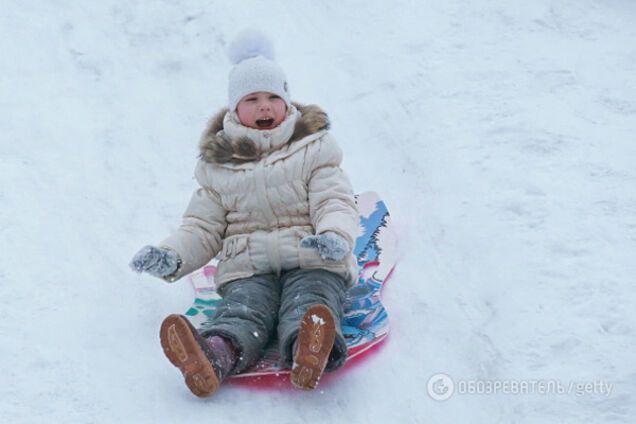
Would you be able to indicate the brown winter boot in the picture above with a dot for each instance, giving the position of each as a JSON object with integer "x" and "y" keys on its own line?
{"x": 189, "y": 351}
{"x": 313, "y": 346}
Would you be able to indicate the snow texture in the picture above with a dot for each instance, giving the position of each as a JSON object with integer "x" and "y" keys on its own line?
{"x": 499, "y": 133}
{"x": 317, "y": 320}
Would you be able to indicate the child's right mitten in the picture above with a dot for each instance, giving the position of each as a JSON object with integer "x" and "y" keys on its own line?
{"x": 157, "y": 261}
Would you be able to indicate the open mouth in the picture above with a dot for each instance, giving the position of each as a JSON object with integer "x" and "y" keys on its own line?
{"x": 265, "y": 123}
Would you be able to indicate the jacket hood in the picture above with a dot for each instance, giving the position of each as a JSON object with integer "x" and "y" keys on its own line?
{"x": 217, "y": 147}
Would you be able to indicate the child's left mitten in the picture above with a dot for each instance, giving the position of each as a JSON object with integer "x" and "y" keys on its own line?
{"x": 330, "y": 245}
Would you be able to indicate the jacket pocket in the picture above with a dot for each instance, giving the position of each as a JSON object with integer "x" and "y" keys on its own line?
{"x": 234, "y": 261}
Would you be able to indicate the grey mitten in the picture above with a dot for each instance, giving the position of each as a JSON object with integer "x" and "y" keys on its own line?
{"x": 330, "y": 245}
{"x": 157, "y": 261}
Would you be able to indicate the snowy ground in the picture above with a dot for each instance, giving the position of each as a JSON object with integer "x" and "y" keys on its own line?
{"x": 500, "y": 134}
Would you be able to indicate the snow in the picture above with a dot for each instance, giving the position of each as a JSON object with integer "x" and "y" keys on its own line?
{"x": 500, "y": 134}
{"x": 317, "y": 320}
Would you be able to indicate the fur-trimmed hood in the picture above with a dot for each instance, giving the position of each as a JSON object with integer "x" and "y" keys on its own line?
{"x": 217, "y": 147}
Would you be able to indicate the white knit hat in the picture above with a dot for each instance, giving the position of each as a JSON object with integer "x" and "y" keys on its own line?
{"x": 252, "y": 54}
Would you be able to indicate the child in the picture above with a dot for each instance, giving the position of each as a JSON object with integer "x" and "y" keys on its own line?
{"x": 276, "y": 207}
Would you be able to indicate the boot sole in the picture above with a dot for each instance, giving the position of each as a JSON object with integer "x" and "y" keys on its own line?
{"x": 315, "y": 340}
{"x": 182, "y": 349}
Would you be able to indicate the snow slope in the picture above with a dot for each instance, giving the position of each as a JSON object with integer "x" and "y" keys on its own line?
{"x": 499, "y": 133}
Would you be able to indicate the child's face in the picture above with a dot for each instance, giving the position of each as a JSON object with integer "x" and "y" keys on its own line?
{"x": 261, "y": 110}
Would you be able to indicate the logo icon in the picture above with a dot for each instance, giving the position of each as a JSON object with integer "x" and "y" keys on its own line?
{"x": 440, "y": 387}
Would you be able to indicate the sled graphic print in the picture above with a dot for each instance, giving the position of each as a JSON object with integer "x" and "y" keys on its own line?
{"x": 366, "y": 321}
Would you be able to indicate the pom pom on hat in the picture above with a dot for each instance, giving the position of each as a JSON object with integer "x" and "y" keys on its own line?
{"x": 252, "y": 54}
{"x": 248, "y": 44}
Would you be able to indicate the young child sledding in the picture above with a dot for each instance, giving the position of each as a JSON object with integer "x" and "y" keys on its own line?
{"x": 276, "y": 207}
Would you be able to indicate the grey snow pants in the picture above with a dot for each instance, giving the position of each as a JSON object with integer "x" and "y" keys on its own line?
{"x": 256, "y": 309}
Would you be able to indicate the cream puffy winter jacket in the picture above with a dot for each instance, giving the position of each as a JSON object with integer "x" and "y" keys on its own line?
{"x": 261, "y": 192}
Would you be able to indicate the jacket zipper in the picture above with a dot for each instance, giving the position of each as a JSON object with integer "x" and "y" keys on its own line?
{"x": 273, "y": 245}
